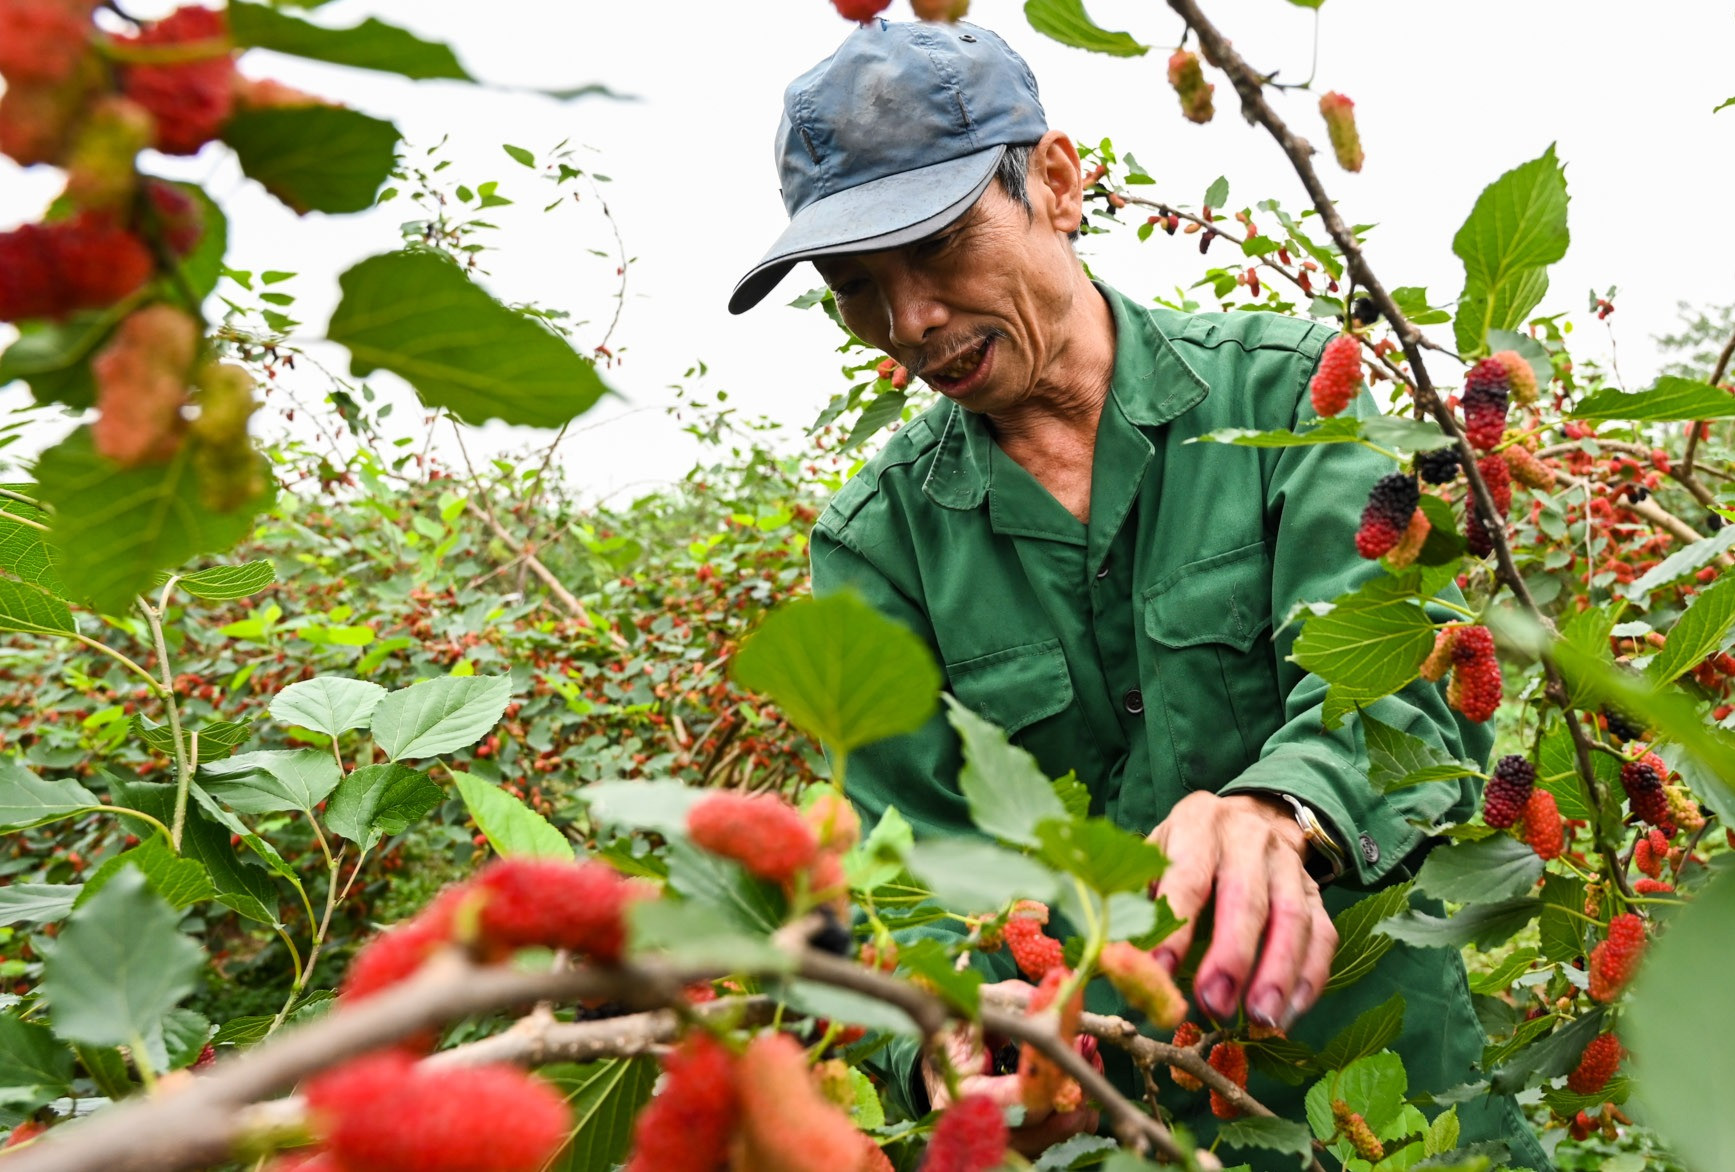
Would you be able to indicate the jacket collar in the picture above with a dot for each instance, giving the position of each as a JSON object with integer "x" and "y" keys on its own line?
{"x": 1152, "y": 384}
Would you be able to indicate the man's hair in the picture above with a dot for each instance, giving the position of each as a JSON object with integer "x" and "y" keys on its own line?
{"x": 1013, "y": 176}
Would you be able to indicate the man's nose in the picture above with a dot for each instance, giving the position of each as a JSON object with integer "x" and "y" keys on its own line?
{"x": 912, "y": 312}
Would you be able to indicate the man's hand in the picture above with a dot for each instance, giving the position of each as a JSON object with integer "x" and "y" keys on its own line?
{"x": 1272, "y": 942}
{"x": 963, "y": 1047}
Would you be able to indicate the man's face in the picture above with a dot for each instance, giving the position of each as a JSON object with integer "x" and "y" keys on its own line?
{"x": 975, "y": 308}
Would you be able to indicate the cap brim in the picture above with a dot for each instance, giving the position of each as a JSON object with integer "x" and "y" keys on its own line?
{"x": 882, "y": 213}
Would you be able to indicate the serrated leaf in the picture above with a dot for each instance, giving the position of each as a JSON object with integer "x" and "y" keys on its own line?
{"x": 1493, "y": 869}
{"x": 1700, "y": 631}
{"x": 54, "y": 357}
{"x": 28, "y": 800}
{"x": 1284, "y": 1136}
{"x": 439, "y": 715}
{"x": 37, "y": 903}
{"x": 1066, "y": 21}
{"x": 116, "y": 528}
{"x": 605, "y": 1099}
{"x": 1503, "y": 974}
{"x": 884, "y": 409}
{"x": 690, "y": 933}
{"x": 659, "y": 806}
{"x": 24, "y": 547}
{"x": 1549, "y": 1057}
{"x": 1105, "y": 856}
{"x": 1484, "y": 924}
{"x": 1006, "y": 791}
{"x": 371, "y": 44}
{"x": 214, "y": 739}
{"x": 379, "y": 800}
{"x": 1062, "y": 1156}
{"x": 840, "y": 670}
{"x": 328, "y": 704}
{"x": 1672, "y": 398}
{"x": 723, "y": 889}
{"x": 1561, "y": 931}
{"x": 1373, "y": 1030}
{"x": 178, "y": 880}
{"x": 1359, "y": 947}
{"x": 1371, "y": 642}
{"x": 1341, "y": 429}
{"x": 928, "y": 959}
{"x": 315, "y": 158}
{"x": 1442, "y": 1134}
{"x": 269, "y": 780}
{"x": 118, "y": 967}
{"x": 1405, "y": 434}
{"x": 34, "y": 1067}
{"x": 222, "y": 583}
{"x": 1217, "y": 195}
{"x": 1397, "y": 759}
{"x": 513, "y": 829}
{"x": 1517, "y": 228}
{"x": 31, "y": 611}
{"x": 418, "y": 316}
{"x": 1689, "y": 559}
{"x": 967, "y": 876}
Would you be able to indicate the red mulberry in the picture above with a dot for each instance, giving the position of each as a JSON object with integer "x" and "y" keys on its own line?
{"x": 1228, "y": 1059}
{"x": 970, "y": 1137}
{"x": 141, "y": 385}
{"x": 1042, "y": 1086}
{"x": 1190, "y": 85}
{"x": 1507, "y": 791}
{"x": 1415, "y": 536}
{"x": 1520, "y": 376}
{"x": 1339, "y": 376}
{"x": 1339, "y": 114}
{"x": 1355, "y": 1129}
{"x": 860, "y": 11}
{"x": 688, "y": 1126}
{"x": 1035, "y": 951}
{"x": 762, "y": 832}
{"x": 1651, "y": 852}
{"x": 1475, "y": 687}
{"x": 1614, "y": 960}
{"x": 1486, "y": 391}
{"x": 1387, "y": 514}
{"x": 1497, "y": 475}
{"x": 1186, "y": 1034}
{"x": 1543, "y": 829}
{"x": 577, "y": 906}
{"x": 43, "y": 40}
{"x": 189, "y": 99}
{"x": 1595, "y": 1066}
{"x": 786, "y": 1124}
{"x": 1527, "y": 469}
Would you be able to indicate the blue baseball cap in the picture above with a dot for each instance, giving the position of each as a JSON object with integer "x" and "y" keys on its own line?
{"x": 891, "y": 138}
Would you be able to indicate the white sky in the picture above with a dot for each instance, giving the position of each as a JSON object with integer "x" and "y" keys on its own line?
{"x": 1448, "y": 96}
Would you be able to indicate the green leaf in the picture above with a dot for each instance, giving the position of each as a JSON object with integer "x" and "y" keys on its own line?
{"x": 418, "y": 316}
{"x": 54, "y": 357}
{"x": 222, "y": 583}
{"x": 1672, "y": 398}
{"x": 884, "y": 409}
{"x": 177, "y": 880}
{"x": 327, "y": 704}
{"x": 930, "y": 960}
{"x": 378, "y": 800}
{"x": 1065, "y": 21}
{"x": 519, "y": 155}
{"x": 269, "y": 780}
{"x": 722, "y": 889}
{"x": 1723, "y": 105}
{"x": 1397, "y": 760}
{"x": 1493, "y": 869}
{"x": 1007, "y": 792}
{"x": 439, "y": 715}
{"x": 28, "y": 609}
{"x": 840, "y": 670}
{"x": 1517, "y": 227}
{"x": 1372, "y": 1031}
{"x": 1503, "y": 974}
{"x": 659, "y": 806}
{"x": 1701, "y": 630}
{"x": 1677, "y": 1008}
{"x": 1561, "y": 931}
{"x": 369, "y": 45}
{"x": 1217, "y": 195}
{"x": 1689, "y": 559}
{"x": 1359, "y": 947}
{"x": 1412, "y": 301}
{"x": 1483, "y": 924}
{"x": 967, "y": 876}
{"x": 1107, "y": 857}
{"x": 1442, "y": 1133}
{"x": 37, "y": 903}
{"x": 605, "y": 1098}
{"x": 1284, "y": 1136}
{"x": 1373, "y": 1086}
{"x": 215, "y": 739}
{"x": 28, "y": 800}
{"x": 23, "y": 547}
{"x": 1552, "y": 1056}
{"x": 34, "y": 1067}
{"x": 241, "y": 887}
{"x": 1341, "y": 429}
{"x": 315, "y": 158}
{"x": 1372, "y": 640}
{"x": 118, "y": 967}
{"x": 513, "y": 829}
{"x": 1444, "y": 543}
{"x": 1408, "y": 435}
{"x": 879, "y": 858}
{"x": 690, "y": 933}
{"x": 116, "y": 528}
{"x": 1066, "y": 1153}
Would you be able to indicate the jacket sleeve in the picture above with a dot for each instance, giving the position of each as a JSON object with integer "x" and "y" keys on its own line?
{"x": 1313, "y": 501}
{"x": 916, "y": 772}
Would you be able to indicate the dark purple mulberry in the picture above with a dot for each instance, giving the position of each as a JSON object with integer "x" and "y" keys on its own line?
{"x": 1507, "y": 791}
{"x": 1439, "y": 466}
{"x": 1387, "y": 515}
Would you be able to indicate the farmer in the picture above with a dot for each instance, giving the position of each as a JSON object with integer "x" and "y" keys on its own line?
{"x": 1109, "y": 594}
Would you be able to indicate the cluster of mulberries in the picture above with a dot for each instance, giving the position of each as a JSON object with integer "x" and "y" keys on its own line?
{"x": 1388, "y": 513}
{"x": 1651, "y": 853}
{"x": 1339, "y": 114}
{"x": 1145, "y": 984}
{"x": 1614, "y": 960}
{"x": 971, "y": 1136}
{"x": 1036, "y": 953}
{"x": 1468, "y": 653}
{"x": 88, "y": 261}
{"x": 141, "y": 377}
{"x": 389, "y": 1113}
{"x": 1487, "y": 389}
{"x": 1507, "y": 791}
{"x": 1188, "y": 78}
{"x": 1338, "y": 378}
{"x": 1355, "y": 1129}
{"x": 1228, "y": 1059}
{"x": 1186, "y": 1034}
{"x": 1643, "y": 782}
{"x": 191, "y": 96}
{"x": 1520, "y": 377}
{"x": 1439, "y": 465}
{"x": 1543, "y": 828}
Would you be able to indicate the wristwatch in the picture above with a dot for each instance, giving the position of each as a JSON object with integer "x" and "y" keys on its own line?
{"x": 1325, "y": 861}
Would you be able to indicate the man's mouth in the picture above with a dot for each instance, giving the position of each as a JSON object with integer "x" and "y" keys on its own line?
{"x": 962, "y": 372}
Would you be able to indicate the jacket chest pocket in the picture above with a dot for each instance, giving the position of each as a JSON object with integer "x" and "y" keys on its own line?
{"x": 1208, "y": 625}
{"x": 1026, "y": 690}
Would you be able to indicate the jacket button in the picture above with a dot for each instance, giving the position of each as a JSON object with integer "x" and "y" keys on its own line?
{"x": 1370, "y": 850}
{"x": 1102, "y": 573}
{"x": 1134, "y": 701}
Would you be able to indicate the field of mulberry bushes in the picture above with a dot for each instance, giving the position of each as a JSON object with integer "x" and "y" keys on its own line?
{"x": 371, "y": 811}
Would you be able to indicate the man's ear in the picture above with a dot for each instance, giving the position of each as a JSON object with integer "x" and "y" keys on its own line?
{"x": 1056, "y": 183}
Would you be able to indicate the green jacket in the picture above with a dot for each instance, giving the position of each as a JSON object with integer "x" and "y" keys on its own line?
{"x": 1140, "y": 649}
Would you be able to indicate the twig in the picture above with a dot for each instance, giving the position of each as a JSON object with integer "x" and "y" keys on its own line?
{"x": 1692, "y": 452}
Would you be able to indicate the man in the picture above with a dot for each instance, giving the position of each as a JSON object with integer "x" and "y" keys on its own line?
{"x": 1102, "y": 590}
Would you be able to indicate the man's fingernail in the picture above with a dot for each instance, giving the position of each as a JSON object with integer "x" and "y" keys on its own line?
{"x": 1167, "y": 958}
{"x": 1299, "y": 1000}
{"x": 1218, "y": 996}
{"x": 1264, "y": 1006}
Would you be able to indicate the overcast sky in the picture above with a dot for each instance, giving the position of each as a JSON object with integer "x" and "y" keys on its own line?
{"x": 1448, "y": 96}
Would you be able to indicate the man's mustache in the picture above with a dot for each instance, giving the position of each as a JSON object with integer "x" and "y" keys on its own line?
{"x": 935, "y": 355}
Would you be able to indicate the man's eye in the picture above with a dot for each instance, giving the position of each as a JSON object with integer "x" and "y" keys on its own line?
{"x": 932, "y": 246}
{"x": 847, "y": 289}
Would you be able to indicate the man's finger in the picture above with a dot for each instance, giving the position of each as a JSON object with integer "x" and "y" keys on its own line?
{"x": 1288, "y": 943}
{"x": 1243, "y": 881}
{"x": 1316, "y": 969}
{"x": 1188, "y": 836}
